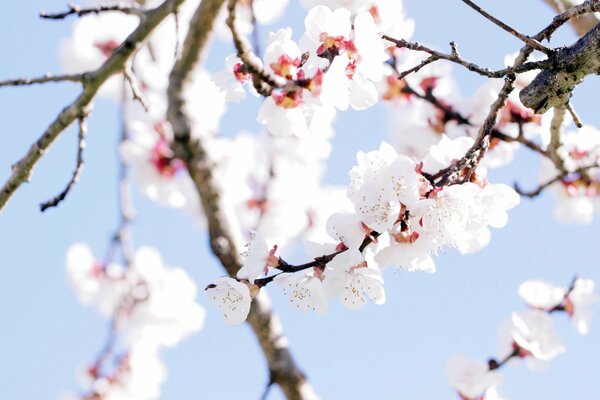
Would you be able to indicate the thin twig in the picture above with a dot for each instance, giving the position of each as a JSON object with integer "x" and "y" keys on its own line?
{"x": 425, "y": 62}
{"x": 534, "y": 193}
{"x": 135, "y": 89}
{"x": 43, "y": 79}
{"x": 576, "y": 119}
{"x": 557, "y": 178}
{"x": 533, "y": 43}
{"x": 584, "y": 20}
{"x": 74, "y": 9}
{"x": 456, "y": 58}
{"x": 519, "y": 139}
{"x": 78, "y": 167}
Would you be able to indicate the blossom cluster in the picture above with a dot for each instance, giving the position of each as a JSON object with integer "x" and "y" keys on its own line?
{"x": 151, "y": 305}
{"x": 399, "y": 219}
{"x": 528, "y": 335}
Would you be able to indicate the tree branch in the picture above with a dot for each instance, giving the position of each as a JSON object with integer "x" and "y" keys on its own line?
{"x": 554, "y": 87}
{"x": 78, "y": 167}
{"x": 582, "y": 23}
{"x": 533, "y": 43}
{"x": 44, "y": 79}
{"x": 456, "y": 58}
{"x": 21, "y": 171}
{"x": 74, "y": 9}
{"x": 282, "y": 367}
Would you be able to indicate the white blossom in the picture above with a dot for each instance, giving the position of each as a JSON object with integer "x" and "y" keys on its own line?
{"x": 231, "y": 297}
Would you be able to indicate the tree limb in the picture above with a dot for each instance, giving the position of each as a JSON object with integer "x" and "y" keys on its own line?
{"x": 583, "y": 23}
{"x": 21, "y": 171}
{"x": 282, "y": 367}
{"x": 554, "y": 87}
{"x": 533, "y": 43}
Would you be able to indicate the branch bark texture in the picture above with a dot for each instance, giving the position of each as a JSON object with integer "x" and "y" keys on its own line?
{"x": 553, "y": 87}
{"x": 282, "y": 367}
{"x": 92, "y": 81}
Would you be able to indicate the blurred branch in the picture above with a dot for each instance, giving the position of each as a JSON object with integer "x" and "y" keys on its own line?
{"x": 74, "y": 9}
{"x": 21, "y": 171}
{"x": 583, "y": 23}
{"x": 78, "y": 166}
{"x": 43, "y": 79}
{"x": 266, "y": 326}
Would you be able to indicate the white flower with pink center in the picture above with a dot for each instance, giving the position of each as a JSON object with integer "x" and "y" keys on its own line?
{"x": 304, "y": 290}
{"x": 258, "y": 257}
{"x": 162, "y": 177}
{"x": 531, "y": 335}
{"x": 578, "y": 301}
{"x": 234, "y": 78}
{"x": 472, "y": 379}
{"x": 353, "y": 55}
{"x": 231, "y": 297}
{"x": 165, "y": 309}
{"x": 349, "y": 277}
{"x": 102, "y": 285}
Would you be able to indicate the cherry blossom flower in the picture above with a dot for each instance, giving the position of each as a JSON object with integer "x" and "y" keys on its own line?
{"x": 472, "y": 379}
{"x": 578, "y": 193}
{"x": 162, "y": 177}
{"x": 95, "y": 283}
{"x": 304, "y": 290}
{"x": 138, "y": 375}
{"x": 234, "y": 78}
{"x": 541, "y": 295}
{"x": 258, "y": 257}
{"x": 532, "y": 334}
{"x": 355, "y": 53}
{"x": 93, "y": 40}
{"x": 231, "y": 297}
{"x": 349, "y": 277}
{"x": 578, "y": 301}
{"x": 167, "y": 310}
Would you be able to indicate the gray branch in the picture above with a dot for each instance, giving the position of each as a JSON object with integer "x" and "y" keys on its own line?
{"x": 92, "y": 81}
{"x": 554, "y": 87}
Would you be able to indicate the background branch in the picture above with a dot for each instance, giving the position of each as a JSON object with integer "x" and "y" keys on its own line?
{"x": 267, "y": 328}
{"x": 74, "y": 9}
{"x": 43, "y": 79}
{"x": 21, "y": 171}
{"x": 78, "y": 167}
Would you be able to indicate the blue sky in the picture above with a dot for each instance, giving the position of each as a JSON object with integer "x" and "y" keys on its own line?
{"x": 394, "y": 351}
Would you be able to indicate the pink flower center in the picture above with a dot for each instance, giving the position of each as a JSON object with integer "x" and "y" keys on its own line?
{"x": 288, "y": 99}
{"x": 286, "y": 66}
{"x": 107, "y": 48}
{"x": 163, "y": 159}
{"x": 331, "y": 46}
{"x": 240, "y": 73}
